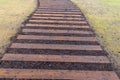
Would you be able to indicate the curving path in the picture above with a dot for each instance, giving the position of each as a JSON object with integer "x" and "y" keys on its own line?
{"x": 56, "y": 43}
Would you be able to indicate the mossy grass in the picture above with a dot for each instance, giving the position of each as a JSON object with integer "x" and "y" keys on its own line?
{"x": 12, "y": 14}
{"x": 104, "y": 17}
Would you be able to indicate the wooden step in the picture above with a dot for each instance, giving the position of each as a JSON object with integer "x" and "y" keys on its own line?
{"x": 57, "y": 34}
{"x": 56, "y": 25}
{"x": 58, "y": 18}
{"x": 57, "y": 28}
{"x": 56, "y": 31}
{"x": 73, "y": 8}
{"x": 56, "y": 46}
{"x": 40, "y": 10}
{"x": 63, "y": 12}
{"x": 62, "y": 22}
{"x": 66, "y": 38}
{"x": 47, "y": 8}
{"x": 43, "y": 10}
{"x": 55, "y": 58}
{"x": 70, "y": 13}
{"x": 57, "y": 74}
{"x": 60, "y": 10}
{"x": 56, "y": 15}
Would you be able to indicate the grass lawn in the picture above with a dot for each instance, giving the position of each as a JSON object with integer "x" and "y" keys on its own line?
{"x": 104, "y": 16}
{"x": 12, "y": 14}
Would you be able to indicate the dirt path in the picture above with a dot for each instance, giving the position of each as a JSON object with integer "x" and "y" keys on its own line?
{"x": 56, "y": 43}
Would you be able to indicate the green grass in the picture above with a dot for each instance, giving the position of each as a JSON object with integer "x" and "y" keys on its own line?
{"x": 104, "y": 16}
{"x": 12, "y": 14}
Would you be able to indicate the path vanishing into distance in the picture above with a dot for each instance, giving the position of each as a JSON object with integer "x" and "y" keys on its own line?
{"x": 56, "y": 43}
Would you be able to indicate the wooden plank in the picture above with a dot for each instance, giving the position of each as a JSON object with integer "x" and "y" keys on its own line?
{"x": 66, "y": 38}
{"x": 53, "y": 15}
{"x": 57, "y": 9}
{"x": 60, "y": 12}
{"x": 70, "y": 13}
{"x": 56, "y": 25}
{"x": 57, "y": 14}
{"x": 56, "y": 46}
{"x": 55, "y": 58}
{"x": 62, "y": 22}
{"x": 57, "y": 74}
{"x": 56, "y": 31}
{"x": 58, "y": 18}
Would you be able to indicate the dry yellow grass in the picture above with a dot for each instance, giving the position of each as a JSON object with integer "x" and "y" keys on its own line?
{"x": 104, "y": 16}
{"x": 12, "y": 14}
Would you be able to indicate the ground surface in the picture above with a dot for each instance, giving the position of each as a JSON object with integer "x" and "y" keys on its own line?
{"x": 12, "y": 14}
{"x": 104, "y": 16}
{"x": 56, "y": 43}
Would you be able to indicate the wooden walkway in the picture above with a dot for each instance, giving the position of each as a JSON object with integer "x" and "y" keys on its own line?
{"x": 56, "y": 43}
